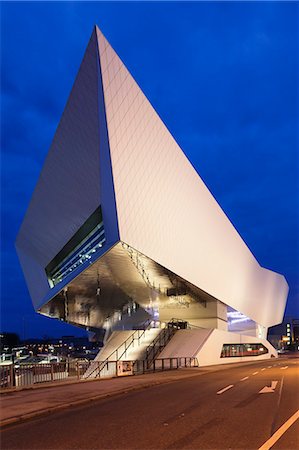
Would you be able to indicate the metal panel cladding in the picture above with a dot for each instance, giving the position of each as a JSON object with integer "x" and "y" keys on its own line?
{"x": 69, "y": 188}
{"x": 167, "y": 213}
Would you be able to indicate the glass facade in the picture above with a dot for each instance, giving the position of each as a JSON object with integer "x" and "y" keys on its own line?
{"x": 88, "y": 240}
{"x": 237, "y": 350}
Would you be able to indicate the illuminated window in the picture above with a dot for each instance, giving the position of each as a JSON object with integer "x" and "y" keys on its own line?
{"x": 86, "y": 242}
{"x": 237, "y": 350}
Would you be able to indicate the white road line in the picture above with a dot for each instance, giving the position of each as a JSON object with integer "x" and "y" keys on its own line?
{"x": 267, "y": 389}
{"x": 264, "y": 368}
{"x": 245, "y": 378}
{"x": 277, "y": 435}
{"x": 283, "y": 368}
{"x": 254, "y": 373}
{"x": 269, "y": 367}
{"x": 225, "y": 389}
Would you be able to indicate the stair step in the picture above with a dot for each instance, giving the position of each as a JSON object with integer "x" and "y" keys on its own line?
{"x": 136, "y": 350}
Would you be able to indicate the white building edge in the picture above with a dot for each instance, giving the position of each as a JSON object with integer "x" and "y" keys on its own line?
{"x": 121, "y": 228}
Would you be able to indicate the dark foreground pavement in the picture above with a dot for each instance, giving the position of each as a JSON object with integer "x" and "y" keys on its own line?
{"x": 19, "y": 405}
{"x": 215, "y": 410}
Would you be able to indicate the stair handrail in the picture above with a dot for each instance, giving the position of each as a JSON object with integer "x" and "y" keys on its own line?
{"x": 175, "y": 320}
{"x": 162, "y": 339}
{"x": 141, "y": 270}
{"x": 153, "y": 349}
{"x": 132, "y": 338}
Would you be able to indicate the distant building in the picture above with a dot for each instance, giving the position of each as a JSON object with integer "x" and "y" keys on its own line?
{"x": 284, "y": 335}
{"x": 122, "y": 231}
{"x": 296, "y": 331}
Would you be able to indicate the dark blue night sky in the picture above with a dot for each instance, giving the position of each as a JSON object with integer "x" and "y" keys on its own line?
{"x": 222, "y": 76}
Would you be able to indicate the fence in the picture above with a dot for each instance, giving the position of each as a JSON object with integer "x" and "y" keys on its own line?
{"x": 21, "y": 375}
{"x": 161, "y": 364}
{"x": 17, "y": 376}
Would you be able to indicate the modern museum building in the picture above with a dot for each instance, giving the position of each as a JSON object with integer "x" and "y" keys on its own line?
{"x": 122, "y": 234}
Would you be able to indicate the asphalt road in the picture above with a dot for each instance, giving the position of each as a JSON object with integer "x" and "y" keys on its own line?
{"x": 185, "y": 414}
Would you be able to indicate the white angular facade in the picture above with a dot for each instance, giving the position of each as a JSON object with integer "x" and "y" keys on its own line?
{"x": 121, "y": 228}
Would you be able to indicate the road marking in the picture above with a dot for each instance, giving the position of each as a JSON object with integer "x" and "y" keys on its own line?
{"x": 269, "y": 389}
{"x": 254, "y": 373}
{"x": 283, "y": 368}
{"x": 269, "y": 367}
{"x": 277, "y": 407}
{"x": 245, "y": 378}
{"x": 225, "y": 389}
{"x": 277, "y": 435}
{"x": 264, "y": 368}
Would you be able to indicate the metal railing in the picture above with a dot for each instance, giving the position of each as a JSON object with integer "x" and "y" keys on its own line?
{"x": 162, "y": 364}
{"x": 16, "y": 376}
{"x": 156, "y": 347}
{"x": 25, "y": 375}
{"x": 118, "y": 353}
{"x": 20, "y": 375}
{"x": 136, "y": 259}
{"x": 160, "y": 342}
{"x": 179, "y": 324}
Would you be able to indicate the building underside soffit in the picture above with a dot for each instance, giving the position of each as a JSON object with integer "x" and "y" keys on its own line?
{"x": 124, "y": 288}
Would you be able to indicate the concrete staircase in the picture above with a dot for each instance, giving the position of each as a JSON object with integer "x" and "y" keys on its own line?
{"x": 139, "y": 351}
{"x": 121, "y": 346}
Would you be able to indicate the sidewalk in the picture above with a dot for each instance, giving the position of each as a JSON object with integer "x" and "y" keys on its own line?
{"x": 20, "y": 405}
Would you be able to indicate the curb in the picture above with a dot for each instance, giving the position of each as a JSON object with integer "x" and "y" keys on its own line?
{"x": 43, "y": 412}
{"x": 49, "y": 385}
{"x": 206, "y": 369}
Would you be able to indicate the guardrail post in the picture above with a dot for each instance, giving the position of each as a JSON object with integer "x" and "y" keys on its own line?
{"x": 13, "y": 377}
{"x": 78, "y": 370}
{"x": 52, "y": 372}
